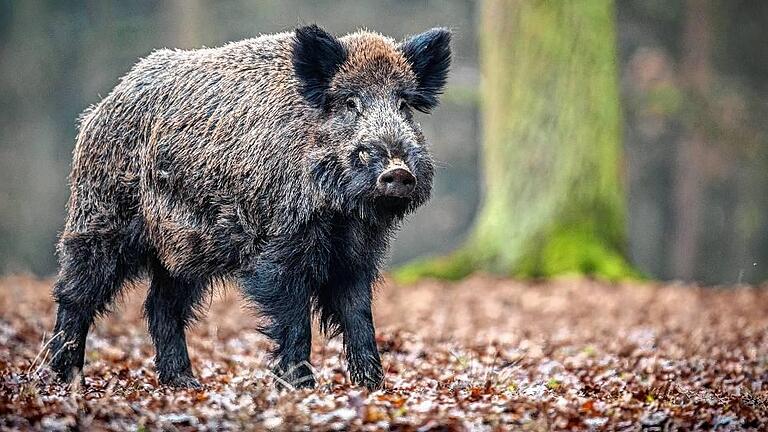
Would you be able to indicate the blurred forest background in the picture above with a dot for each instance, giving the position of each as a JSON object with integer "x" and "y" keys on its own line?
{"x": 692, "y": 85}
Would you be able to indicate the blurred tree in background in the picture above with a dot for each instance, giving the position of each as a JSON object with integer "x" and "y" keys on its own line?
{"x": 695, "y": 87}
{"x": 554, "y": 201}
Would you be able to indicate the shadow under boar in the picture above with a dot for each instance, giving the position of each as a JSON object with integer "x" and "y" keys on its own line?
{"x": 283, "y": 162}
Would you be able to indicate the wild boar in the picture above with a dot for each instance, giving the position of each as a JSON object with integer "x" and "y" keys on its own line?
{"x": 283, "y": 162}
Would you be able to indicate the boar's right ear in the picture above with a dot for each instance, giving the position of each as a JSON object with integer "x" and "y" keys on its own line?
{"x": 317, "y": 56}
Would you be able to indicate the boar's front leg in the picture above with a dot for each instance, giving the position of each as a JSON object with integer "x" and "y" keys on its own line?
{"x": 346, "y": 307}
{"x": 360, "y": 342}
{"x": 281, "y": 292}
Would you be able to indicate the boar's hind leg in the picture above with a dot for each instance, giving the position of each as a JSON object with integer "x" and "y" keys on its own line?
{"x": 282, "y": 296}
{"x": 170, "y": 307}
{"x": 93, "y": 268}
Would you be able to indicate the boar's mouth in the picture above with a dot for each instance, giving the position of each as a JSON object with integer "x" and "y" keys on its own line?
{"x": 395, "y": 205}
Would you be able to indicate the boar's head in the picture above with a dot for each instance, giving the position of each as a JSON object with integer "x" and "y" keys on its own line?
{"x": 369, "y": 156}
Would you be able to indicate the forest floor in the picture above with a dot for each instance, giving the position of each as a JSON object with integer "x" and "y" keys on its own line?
{"x": 481, "y": 354}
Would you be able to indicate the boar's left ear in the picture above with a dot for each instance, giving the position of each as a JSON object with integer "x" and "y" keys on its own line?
{"x": 429, "y": 54}
{"x": 317, "y": 56}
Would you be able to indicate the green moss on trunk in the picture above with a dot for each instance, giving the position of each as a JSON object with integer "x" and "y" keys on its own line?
{"x": 553, "y": 199}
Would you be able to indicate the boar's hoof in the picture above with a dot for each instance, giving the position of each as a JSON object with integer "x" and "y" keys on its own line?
{"x": 296, "y": 377}
{"x": 67, "y": 374}
{"x": 374, "y": 384}
{"x": 372, "y": 379}
{"x": 70, "y": 376}
{"x": 182, "y": 381}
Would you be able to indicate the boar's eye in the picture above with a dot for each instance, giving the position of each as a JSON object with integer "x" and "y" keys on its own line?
{"x": 402, "y": 105}
{"x": 353, "y": 104}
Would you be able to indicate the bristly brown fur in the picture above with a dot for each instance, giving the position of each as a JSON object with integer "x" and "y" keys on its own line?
{"x": 371, "y": 53}
{"x": 256, "y": 161}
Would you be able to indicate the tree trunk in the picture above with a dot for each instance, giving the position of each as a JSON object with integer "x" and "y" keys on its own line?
{"x": 553, "y": 199}
{"x": 696, "y": 70}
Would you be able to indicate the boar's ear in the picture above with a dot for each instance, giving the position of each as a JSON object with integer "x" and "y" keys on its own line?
{"x": 317, "y": 56}
{"x": 429, "y": 54}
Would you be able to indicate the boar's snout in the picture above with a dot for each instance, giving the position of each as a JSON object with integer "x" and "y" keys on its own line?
{"x": 396, "y": 182}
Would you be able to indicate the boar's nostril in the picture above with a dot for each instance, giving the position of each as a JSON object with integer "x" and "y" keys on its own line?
{"x": 396, "y": 182}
